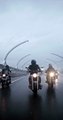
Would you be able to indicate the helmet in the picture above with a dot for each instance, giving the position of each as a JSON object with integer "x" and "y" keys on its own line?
{"x": 50, "y": 66}
{"x": 33, "y": 62}
{"x": 7, "y": 67}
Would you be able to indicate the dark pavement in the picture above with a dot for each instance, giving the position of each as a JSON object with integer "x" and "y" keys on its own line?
{"x": 18, "y": 101}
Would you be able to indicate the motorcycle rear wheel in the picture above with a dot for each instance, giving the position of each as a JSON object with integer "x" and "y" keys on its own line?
{"x": 35, "y": 89}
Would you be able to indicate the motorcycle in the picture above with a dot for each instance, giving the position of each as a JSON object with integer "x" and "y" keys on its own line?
{"x": 56, "y": 74}
{"x": 51, "y": 78}
{"x": 5, "y": 80}
{"x": 35, "y": 81}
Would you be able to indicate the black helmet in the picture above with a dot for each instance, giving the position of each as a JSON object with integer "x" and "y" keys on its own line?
{"x": 33, "y": 62}
{"x": 7, "y": 66}
{"x": 50, "y": 66}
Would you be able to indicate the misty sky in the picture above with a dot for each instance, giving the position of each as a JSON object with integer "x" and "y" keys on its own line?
{"x": 39, "y": 21}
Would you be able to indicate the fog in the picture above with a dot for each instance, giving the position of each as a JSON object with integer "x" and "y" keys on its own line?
{"x": 40, "y": 22}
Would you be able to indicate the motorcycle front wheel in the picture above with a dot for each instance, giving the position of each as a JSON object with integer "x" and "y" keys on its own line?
{"x": 35, "y": 89}
{"x": 50, "y": 85}
{"x": 2, "y": 85}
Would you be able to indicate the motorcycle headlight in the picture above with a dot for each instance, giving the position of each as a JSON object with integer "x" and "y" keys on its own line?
{"x": 51, "y": 74}
{"x": 56, "y": 81}
{"x": 34, "y": 75}
{"x": 4, "y": 75}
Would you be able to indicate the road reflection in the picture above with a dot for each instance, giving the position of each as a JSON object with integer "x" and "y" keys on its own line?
{"x": 4, "y": 102}
{"x": 51, "y": 104}
{"x": 18, "y": 102}
{"x": 35, "y": 107}
{"x": 51, "y": 96}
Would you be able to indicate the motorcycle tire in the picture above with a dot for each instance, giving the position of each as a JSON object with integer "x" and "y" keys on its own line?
{"x": 2, "y": 85}
{"x": 50, "y": 85}
{"x": 35, "y": 89}
{"x": 7, "y": 84}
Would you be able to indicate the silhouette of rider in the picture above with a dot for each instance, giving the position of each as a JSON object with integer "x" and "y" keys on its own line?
{"x": 50, "y": 68}
{"x": 34, "y": 67}
{"x": 6, "y": 70}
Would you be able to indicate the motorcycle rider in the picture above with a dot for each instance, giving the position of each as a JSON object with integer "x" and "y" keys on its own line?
{"x": 49, "y": 69}
{"x": 34, "y": 68}
{"x": 6, "y": 70}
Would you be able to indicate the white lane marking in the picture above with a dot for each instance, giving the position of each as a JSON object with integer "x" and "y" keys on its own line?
{"x": 17, "y": 80}
{"x": 14, "y": 81}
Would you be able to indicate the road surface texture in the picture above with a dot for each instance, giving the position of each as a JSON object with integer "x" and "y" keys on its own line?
{"x": 18, "y": 102}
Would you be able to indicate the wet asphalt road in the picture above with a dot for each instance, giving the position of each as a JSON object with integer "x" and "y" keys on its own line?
{"x": 18, "y": 102}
